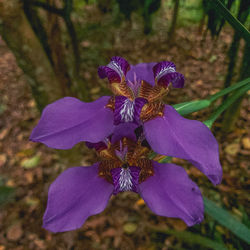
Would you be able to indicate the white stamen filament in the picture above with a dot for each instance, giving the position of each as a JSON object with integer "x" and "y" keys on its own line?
{"x": 127, "y": 111}
{"x": 125, "y": 180}
{"x": 165, "y": 71}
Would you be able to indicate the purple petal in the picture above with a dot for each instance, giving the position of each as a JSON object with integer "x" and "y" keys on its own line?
{"x": 69, "y": 121}
{"x": 139, "y": 103}
{"x": 127, "y": 110}
{"x": 170, "y": 192}
{"x": 163, "y": 67}
{"x": 74, "y": 196}
{"x": 165, "y": 72}
{"x": 98, "y": 146}
{"x": 125, "y": 179}
{"x": 141, "y": 71}
{"x": 115, "y": 71}
{"x": 124, "y": 130}
{"x": 175, "y": 136}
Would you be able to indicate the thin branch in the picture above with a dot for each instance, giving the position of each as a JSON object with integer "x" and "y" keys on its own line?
{"x": 48, "y": 7}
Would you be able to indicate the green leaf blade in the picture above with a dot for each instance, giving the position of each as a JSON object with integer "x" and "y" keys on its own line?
{"x": 186, "y": 108}
{"x": 234, "y": 22}
{"x": 227, "y": 220}
{"x": 191, "y": 238}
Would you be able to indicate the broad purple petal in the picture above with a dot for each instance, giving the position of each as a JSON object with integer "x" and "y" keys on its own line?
{"x": 69, "y": 121}
{"x": 175, "y": 136}
{"x": 74, "y": 196}
{"x": 115, "y": 71}
{"x": 127, "y": 110}
{"x": 170, "y": 192}
{"x": 124, "y": 130}
{"x": 141, "y": 71}
{"x": 125, "y": 179}
{"x": 165, "y": 73}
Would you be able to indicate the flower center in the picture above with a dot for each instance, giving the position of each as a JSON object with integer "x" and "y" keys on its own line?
{"x": 125, "y": 164}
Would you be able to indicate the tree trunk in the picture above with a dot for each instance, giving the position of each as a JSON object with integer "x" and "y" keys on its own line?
{"x": 30, "y": 55}
{"x": 171, "y": 33}
{"x": 37, "y": 26}
{"x": 58, "y": 50}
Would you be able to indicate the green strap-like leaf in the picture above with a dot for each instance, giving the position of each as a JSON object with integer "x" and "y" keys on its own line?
{"x": 236, "y": 24}
{"x": 229, "y": 101}
{"x": 227, "y": 220}
{"x": 228, "y": 90}
{"x": 186, "y": 108}
{"x": 191, "y": 238}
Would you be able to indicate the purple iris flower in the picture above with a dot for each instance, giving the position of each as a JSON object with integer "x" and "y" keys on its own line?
{"x": 80, "y": 192}
{"x": 137, "y": 98}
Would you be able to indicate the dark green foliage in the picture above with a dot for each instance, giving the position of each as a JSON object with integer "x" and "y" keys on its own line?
{"x": 215, "y": 20}
{"x": 105, "y": 5}
{"x": 233, "y": 51}
{"x": 232, "y": 114}
{"x": 245, "y": 69}
{"x": 5, "y": 194}
{"x": 146, "y": 8}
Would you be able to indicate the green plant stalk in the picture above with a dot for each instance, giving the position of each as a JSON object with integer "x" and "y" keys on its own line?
{"x": 226, "y": 104}
{"x": 236, "y": 24}
{"x": 229, "y": 89}
{"x": 186, "y": 108}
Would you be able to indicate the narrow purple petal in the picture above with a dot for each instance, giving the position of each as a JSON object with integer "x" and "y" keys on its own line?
{"x": 115, "y": 71}
{"x": 124, "y": 130}
{"x": 163, "y": 67}
{"x": 141, "y": 71}
{"x": 125, "y": 179}
{"x": 177, "y": 80}
{"x": 75, "y": 195}
{"x": 127, "y": 110}
{"x": 175, "y": 136}
{"x": 69, "y": 121}
{"x": 170, "y": 192}
{"x": 165, "y": 72}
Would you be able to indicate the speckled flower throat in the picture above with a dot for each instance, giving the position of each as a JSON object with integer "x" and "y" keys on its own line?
{"x": 136, "y": 100}
{"x": 125, "y": 164}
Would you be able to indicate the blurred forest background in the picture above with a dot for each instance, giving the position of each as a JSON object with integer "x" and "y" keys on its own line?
{"x": 52, "y": 48}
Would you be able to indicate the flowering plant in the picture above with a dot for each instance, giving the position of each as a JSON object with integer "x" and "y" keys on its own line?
{"x": 124, "y": 129}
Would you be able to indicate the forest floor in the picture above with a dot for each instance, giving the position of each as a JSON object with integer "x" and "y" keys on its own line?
{"x": 127, "y": 223}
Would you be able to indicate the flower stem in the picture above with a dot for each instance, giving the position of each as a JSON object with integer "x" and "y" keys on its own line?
{"x": 186, "y": 108}
{"x": 226, "y": 104}
{"x": 229, "y": 89}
